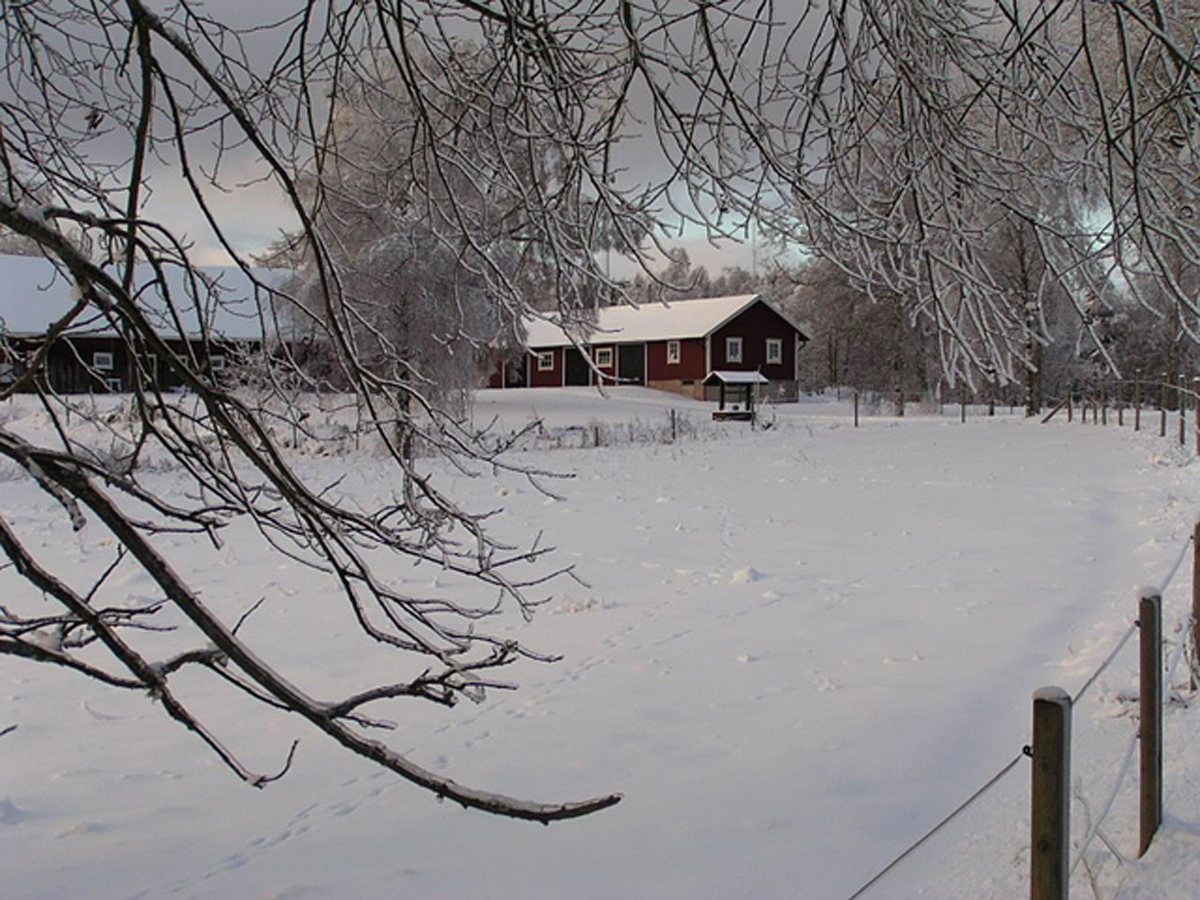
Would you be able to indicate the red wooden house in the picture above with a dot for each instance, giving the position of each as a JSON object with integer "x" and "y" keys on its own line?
{"x": 671, "y": 347}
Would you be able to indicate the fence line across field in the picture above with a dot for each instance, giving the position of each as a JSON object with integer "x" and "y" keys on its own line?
{"x": 1052, "y": 868}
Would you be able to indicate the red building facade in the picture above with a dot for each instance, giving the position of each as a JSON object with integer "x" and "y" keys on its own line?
{"x": 671, "y": 347}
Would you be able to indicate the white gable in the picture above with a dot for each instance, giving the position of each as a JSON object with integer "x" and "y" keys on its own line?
{"x": 648, "y": 322}
{"x": 33, "y": 295}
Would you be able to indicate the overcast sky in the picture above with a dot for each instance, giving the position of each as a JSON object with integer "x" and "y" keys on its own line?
{"x": 255, "y": 214}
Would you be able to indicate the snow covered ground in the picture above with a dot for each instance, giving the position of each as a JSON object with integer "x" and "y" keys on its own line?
{"x": 798, "y": 649}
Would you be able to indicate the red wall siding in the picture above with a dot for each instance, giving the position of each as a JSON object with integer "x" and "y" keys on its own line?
{"x": 754, "y": 326}
{"x": 552, "y": 378}
{"x": 608, "y": 372}
{"x": 690, "y": 365}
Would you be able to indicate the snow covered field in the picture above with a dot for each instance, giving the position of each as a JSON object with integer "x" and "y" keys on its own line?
{"x": 797, "y": 650}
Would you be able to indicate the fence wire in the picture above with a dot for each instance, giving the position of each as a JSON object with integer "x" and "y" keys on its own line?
{"x": 1175, "y": 568}
{"x": 1094, "y": 831}
{"x": 1127, "y": 760}
{"x": 991, "y": 783}
{"x": 1104, "y": 665}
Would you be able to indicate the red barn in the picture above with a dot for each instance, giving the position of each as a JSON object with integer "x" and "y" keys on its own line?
{"x": 671, "y": 347}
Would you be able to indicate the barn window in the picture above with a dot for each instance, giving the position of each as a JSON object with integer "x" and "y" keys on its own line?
{"x": 604, "y": 358}
{"x": 102, "y": 361}
{"x": 546, "y": 361}
{"x": 774, "y": 350}
{"x": 733, "y": 349}
{"x": 113, "y": 384}
{"x": 217, "y": 363}
{"x": 673, "y": 354}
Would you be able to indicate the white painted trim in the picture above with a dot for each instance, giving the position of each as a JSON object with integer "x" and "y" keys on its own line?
{"x": 103, "y": 360}
{"x": 741, "y": 349}
{"x": 678, "y": 352}
{"x": 778, "y": 342}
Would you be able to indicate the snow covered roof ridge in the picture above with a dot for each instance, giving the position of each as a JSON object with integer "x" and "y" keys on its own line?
{"x": 679, "y": 319}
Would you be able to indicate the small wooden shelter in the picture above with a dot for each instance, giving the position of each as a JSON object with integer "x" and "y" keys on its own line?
{"x": 732, "y": 386}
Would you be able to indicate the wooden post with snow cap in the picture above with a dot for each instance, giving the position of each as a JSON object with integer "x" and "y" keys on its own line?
{"x": 1196, "y": 424}
{"x": 1162, "y": 406}
{"x": 1050, "y": 819}
{"x": 1195, "y": 601}
{"x": 1150, "y": 705}
{"x": 1181, "y": 403}
{"x": 1137, "y": 400}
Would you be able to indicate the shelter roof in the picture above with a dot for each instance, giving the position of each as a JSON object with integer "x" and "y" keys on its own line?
{"x": 720, "y": 375}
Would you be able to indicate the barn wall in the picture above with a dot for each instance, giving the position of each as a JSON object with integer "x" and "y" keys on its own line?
{"x": 754, "y": 326}
{"x": 690, "y": 365}
{"x": 551, "y": 378}
{"x": 607, "y": 373}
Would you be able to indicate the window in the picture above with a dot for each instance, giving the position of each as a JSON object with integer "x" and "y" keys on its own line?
{"x": 102, "y": 361}
{"x": 733, "y": 350}
{"x": 217, "y": 363}
{"x": 774, "y": 350}
{"x": 546, "y": 361}
{"x": 673, "y": 354}
{"x": 113, "y": 384}
{"x": 604, "y": 358}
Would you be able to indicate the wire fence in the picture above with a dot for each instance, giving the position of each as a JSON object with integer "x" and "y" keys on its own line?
{"x": 1184, "y": 630}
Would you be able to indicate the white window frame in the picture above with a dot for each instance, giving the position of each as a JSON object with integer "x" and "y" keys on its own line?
{"x": 604, "y": 357}
{"x": 733, "y": 349}
{"x": 774, "y": 351}
{"x": 545, "y": 361}
{"x": 674, "y": 353}
{"x": 217, "y": 363}
{"x": 103, "y": 360}
{"x": 114, "y": 385}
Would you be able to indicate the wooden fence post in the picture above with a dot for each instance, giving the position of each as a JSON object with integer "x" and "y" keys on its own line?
{"x": 1137, "y": 400}
{"x": 1181, "y": 405}
{"x": 1050, "y": 819}
{"x": 962, "y": 404}
{"x": 1196, "y": 424}
{"x": 1070, "y": 403}
{"x": 856, "y": 407}
{"x": 1162, "y": 406}
{"x": 1150, "y": 703}
{"x": 1120, "y": 386}
{"x": 1195, "y": 602}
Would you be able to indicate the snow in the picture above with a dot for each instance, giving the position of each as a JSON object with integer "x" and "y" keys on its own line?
{"x": 650, "y": 321}
{"x": 793, "y": 651}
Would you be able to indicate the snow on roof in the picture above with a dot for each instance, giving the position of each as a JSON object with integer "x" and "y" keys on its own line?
{"x": 737, "y": 377}
{"x": 651, "y": 322}
{"x": 34, "y": 294}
